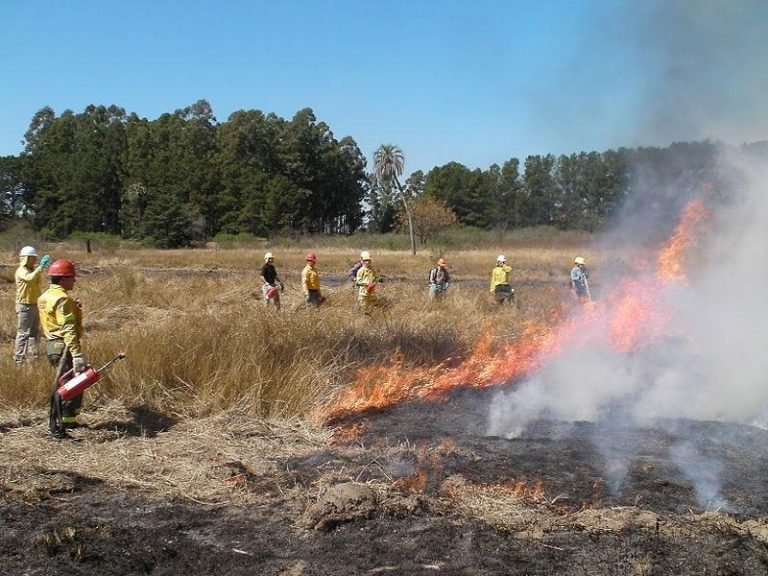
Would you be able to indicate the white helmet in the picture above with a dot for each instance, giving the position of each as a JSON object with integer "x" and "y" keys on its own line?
{"x": 501, "y": 258}
{"x": 267, "y": 256}
{"x": 28, "y": 251}
{"x": 365, "y": 255}
{"x": 578, "y": 260}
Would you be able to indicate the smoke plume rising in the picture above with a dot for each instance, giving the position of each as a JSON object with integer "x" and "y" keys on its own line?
{"x": 705, "y": 79}
{"x": 709, "y": 363}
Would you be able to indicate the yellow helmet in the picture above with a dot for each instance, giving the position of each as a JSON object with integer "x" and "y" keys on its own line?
{"x": 365, "y": 255}
{"x": 578, "y": 260}
{"x": 268, "y": 256}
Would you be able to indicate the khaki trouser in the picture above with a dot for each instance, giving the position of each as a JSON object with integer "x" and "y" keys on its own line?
{"x": 27, "y": 331}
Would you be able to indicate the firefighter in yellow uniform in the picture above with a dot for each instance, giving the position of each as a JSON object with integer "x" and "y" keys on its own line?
{"x": 62, "y": 323}
{"x": 501, "y": 289}
{"x": 310, "y": 282}
{"x": 29, "y": 277}
{"x": 366, "y": 280}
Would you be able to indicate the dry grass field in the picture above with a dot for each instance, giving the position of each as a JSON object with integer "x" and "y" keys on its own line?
{"x": 199, "y": 340}
{"x": 209, "y": 448}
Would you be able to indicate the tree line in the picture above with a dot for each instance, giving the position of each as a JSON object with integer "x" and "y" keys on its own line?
{"x": 186, "y": 177}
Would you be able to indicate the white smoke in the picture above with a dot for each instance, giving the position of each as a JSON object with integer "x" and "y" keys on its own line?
{"x": 704, "y": 473}
{"x": 714, "y": 367}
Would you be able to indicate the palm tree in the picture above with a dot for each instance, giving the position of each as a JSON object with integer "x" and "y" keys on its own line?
{"x": 388, "y": 164}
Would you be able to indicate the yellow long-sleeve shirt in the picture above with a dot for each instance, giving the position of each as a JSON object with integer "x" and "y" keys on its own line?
{"x": 500, "y": 275}
{"x": 365, "y": 276}
{"x": 60, "y": 318}
{"x": 310, "y": 279}
{"x": 29, "y": 283}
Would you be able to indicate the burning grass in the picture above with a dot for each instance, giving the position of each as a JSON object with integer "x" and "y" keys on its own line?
{"x": 199, "y": 341}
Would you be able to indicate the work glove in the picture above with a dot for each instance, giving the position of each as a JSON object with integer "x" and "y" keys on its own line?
{"x": 79, "y": 363}
{"x": 44, "y": 261}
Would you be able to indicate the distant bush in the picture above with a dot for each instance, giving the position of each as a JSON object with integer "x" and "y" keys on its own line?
{"x": 241, "y": 240}
{"x": 98, "y": 241}
{"x": 464, "y": 238}
{"x": 17, "y": 235}
{"x": 467, "y": 237}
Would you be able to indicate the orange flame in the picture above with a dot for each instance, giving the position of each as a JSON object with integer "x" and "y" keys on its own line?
{"x": 693, "y": 223}
{"x": 429, "y": 467}
{"x": 626, "y": 319}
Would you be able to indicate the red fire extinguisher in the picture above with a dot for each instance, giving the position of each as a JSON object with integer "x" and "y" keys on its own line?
{"x": 70, "y": 387}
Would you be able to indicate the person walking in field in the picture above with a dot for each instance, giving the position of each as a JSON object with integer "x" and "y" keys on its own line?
{"x": 579, "y": 282}
{"x": 61, "y": 319}
{"x": 439, "y": 280}
{"x": 501, "y": 289}
{"x": 366, "y": 281}
{"x": 352, "y": 274}
{"x": 29, "y": 279}
{"x": 310, "y": 282}
{"x": 270, "y": 282}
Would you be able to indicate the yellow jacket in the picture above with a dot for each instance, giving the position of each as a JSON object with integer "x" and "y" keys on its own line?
{"x": 500, "y": 275}
{"x": 364, "y": 277}
{"x": 29, "y": 283}
{"x": 60, "y": 318}
{"x": 310, "y": 279}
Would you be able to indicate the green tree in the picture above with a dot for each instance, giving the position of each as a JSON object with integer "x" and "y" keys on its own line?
{"x": 73, "y": 169}
{"x": 540, "y": 190}
{"x": 508, "y": 200}
{"x": 468, "y": 193}
{"x": 331, "y": 172}
{"x": 349, "y": 167}
{"x": 249, "y": 158}
{"x": 381, "y": 202}
{"x": 12, "y": 193}
{"x": 388, "y": 165}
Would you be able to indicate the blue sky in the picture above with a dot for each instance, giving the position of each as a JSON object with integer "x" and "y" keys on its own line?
{"x": 477, "y": 82}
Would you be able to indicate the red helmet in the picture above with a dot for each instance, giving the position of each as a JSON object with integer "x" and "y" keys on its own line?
{"x": 311, "y": 257}
{"x": 63, "y": 268}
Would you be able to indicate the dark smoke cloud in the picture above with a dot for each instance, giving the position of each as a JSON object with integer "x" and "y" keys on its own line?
{"x": 706, "y": 73}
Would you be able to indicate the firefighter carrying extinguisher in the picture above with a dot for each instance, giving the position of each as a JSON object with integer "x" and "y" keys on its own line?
{"x": 61, "y": 321}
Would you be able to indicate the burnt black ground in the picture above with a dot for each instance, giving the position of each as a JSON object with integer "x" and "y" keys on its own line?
{"x": 95, "y": 529}
{"x": 571, "y": 457}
